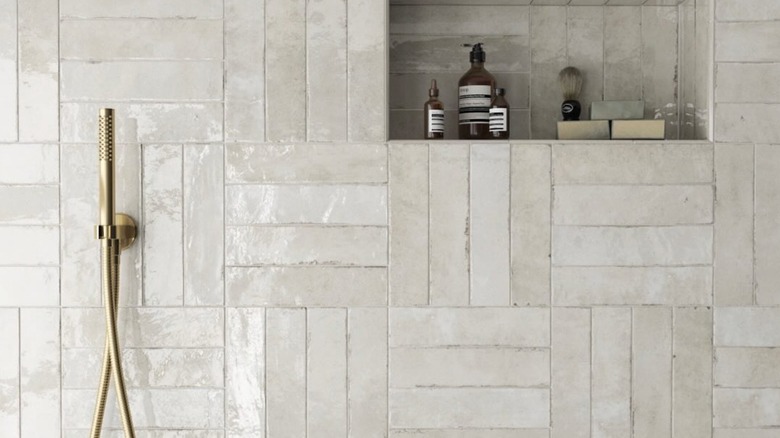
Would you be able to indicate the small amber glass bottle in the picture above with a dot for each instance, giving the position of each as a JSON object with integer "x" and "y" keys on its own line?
{"x": 434, "y": 114}
{"x": 499, "y": 116}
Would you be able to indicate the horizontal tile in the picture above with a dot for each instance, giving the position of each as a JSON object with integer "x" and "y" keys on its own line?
{"x": 473, "y": 433}
{"x": 170, "y": 433}
{"x": 145, "y": 327}
{"x": 31, "y": 245}
{"x": 425, "y": 54}
{"x": 147, "y": 368}
{"x": 747, "y": 122}
{"x": 632, "y": 164}
{"x": 129, "y": 39}
{"x": 306, "y": 204}
{"x": 145, "y": 122}
{"x": 138, "y": 81}
{"x": 761, "y": 37}
{"x": 640, "y": 246}
{"x": 472, "y": 20}
{"x": 29, "y": 163}
{"x": 30, "y": 205}
{"x": 304, "y": 163}
{"x": 745, "y": 433}
{"x": 140, "y": 9}
{"x": 409, "y": 89}
{"x": 733, "y": 407}
{"x": 747, "y": 327}
{"x": 306, "y": 286}
{"x": 747, "y": 367}
{"x": 497, "y": 326}
{"x": 351, "y": 246}
{"x": 29, "y": 286}
{"x": 408, "y": 124}
{"x": 437, "y": 367}
{"x": 469, "y": 408}
{"x": 747, "y": 10}
{"x": 737, "y": 83}
{"x": 632, "y": 205}
{"x": 579, "y": 286}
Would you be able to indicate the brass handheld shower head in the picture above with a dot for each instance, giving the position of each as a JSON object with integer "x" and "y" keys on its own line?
{"x": 106, "y": 160}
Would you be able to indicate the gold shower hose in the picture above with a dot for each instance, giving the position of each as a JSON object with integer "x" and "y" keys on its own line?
{"x": 115, "y": 232}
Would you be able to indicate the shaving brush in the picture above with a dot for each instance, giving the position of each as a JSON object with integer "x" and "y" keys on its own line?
{"x": 571, "y": 85}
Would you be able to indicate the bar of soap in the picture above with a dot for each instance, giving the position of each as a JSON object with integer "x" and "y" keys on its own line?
{"x": 617, "y": 110}
{"x": 638, "y": 129}
{"x": 583, "y": 130}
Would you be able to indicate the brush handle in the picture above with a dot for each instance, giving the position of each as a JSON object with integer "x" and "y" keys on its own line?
{"x": 571, "y": 110}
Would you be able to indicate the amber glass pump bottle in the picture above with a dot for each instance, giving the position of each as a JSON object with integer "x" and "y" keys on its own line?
{"x": 475, "y": 91}
{"x": 434, "y": 114}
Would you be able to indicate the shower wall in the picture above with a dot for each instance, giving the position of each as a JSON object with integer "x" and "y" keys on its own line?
{"x": 297, "y": 275}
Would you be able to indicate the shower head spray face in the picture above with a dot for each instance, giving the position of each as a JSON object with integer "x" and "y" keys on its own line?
{"x": 106, "y": 162}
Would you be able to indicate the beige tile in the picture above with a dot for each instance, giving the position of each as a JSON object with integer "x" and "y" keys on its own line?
{"x": 39, "y": 377}
{"x": 651, "y": 401}
{"x": 408, "y": 192}
{"x": 9, "y": 369}
{"x": 245, "y": 372}
{"x": 747, "y": 367}
{"x": 29, "y": 286}
{"x": 476, "y": 20}
{"x": 9, "y": 71}
{"x": 745, "y": 408}
{"x": 611, "y": 373}
{"x": 585, "y": 49}
{"x": 473, "y": 433}
{"x": 766, "y": 222}
{"x": 326, "y": 372}
{"x": 366, "y": 66}
{"x": 140, "y": 9}
{"x": 622, "y": 53}
{"x": 530, "y": 224}
{"x": 29, "y": 164}
{"x": 761, "y": 37}
{"x": 367, "y": 372}
{"x": 748, "y": 83}
{"x": 285, "y": 60}
{"x": 747, "y": 10}
{"x": 119, "y": 433}
{"x": 659, "y": 82}
{"x": 746, "y": 122}
{"x": 436, "y": 53}
{"x": 745, "y": 433}
{"x": 570, "y": 407}
{"x": 747, "y": 327}
{"x": 285, "y": 373}
{"x": 29, "y": 205}
{"x": 692, "y": 381}
{"x": 548, "y": 57}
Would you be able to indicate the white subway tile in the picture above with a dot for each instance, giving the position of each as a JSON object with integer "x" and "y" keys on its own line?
{"x": 307, "y": 163}
{"x": 285, "y": 373}
{"x": 306, "y": 204}
{"x": 734, "y": 257}
{"x": 29, "y": 164}
{"x": 735, "y": 408}
{"x": 570, "y": 405}
{"x": 611, "y": 373}
{"x": 8, "y": 71}
{"x": 141, "y": 9}
{"x": 530, "y": 224}
{"x": 468, "y": 367}
{"x": 632, "y": 205}
{"x": 245, "y": 373}
{"x": 346, "y": 246}
{"x": 747, "y": 122}
{"x": 9, "y": 370}
{"x": 642, "y": 246}
{"x": 285, "y": 70}
{"x": 747, "y": 82}
{"x": 366, "y": 67}
{"x": 448, "y": 224}
{"x": 30, "y": 245}
{"x": 162, "y": 225}
{"x": 678, "y": 286}
{"x": 39, "y": 341}
{"x": 432, "y": 408}
{"x": 310, "y": 286}
{"x": 761, "y": 37}
{"x": 326, "y": 373}
{"x": 367, "y": 372}
{"x": 409, "y": 209}
{"x": 767, "y": 226}
{"x": 747, "y": 327}
{"x": 489, "y": 224}
{"x": 508, "y": 327}
{"x": 622, "y": 53}
{"x": 747, "y": 367}
{"x": 692, "y": 381}
{"x": 29, "y": 286}
{"x": 203, "y": 224}
{"x": 431, "y": 19}
{"x": 651, "y": 400}
{"x": 29, "y": 205}
{"x": 747, "y": 10}
{"x": 632, "y": 164}
{"x": 38, "y": 89}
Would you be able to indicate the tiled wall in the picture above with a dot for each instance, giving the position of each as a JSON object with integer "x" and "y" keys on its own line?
{"x": 296, "y": 275}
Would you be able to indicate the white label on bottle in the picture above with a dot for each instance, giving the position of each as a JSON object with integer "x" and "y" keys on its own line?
{"x": 474, "y": 104}
{"x": 498, "y": 117}
{"x": 435, "y": 120}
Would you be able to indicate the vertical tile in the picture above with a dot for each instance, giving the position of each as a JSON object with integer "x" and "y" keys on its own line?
{"x": 39, "y": 379}
{"x": 245, "y": 373}
{"x": 692, "y": 386}
{"x": 203, "y": 199}
{"x": 326, "y": 70}
{"x": 285, "y": 70}
{"x": 767, "y": 224}
{"x": 38, "y": 22}
{"x": 611, "y": 373}
{"x": 8, "y": 71}
{"x": 9, "y": 370}
{"x": 733, "y": 280}
{"x": 703, "y": 61}
{"x": 449, "y": 224}
{"x": 622, "y": 53}
{"x": 548, "y": 57}
{"x": 244, "y": 26}
{"x": 367, "y": 372}
{"x": 285, "y": 373}
{"x": 162, "y": 225}
{"x": 326, "y": 373}
{"x": 408, "y": 193}
{"x": 530, "y": 224}
{"x": 571, "y": 395}
{"x": 585, "y": 45}
{"x": 367, "y": 70}
{"x": 659, "y": 66}
{"x": 489, "y": 224}
{"x": 652, "y": 372}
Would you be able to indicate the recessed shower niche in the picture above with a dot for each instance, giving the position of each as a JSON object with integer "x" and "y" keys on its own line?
{"x": 658, "y": 51}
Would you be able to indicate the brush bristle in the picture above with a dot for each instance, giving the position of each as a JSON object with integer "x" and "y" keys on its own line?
{"x": 571, "y": 83}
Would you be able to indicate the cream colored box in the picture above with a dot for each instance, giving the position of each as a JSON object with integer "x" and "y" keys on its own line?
{"x": 583, "y": 130}
{"x": 638, "y": 129}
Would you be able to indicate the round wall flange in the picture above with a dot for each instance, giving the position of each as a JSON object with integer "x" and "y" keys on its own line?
{"x": 127, "y": 230}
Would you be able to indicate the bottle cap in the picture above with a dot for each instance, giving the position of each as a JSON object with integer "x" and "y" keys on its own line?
{"x": 500, "y": 91}
{"x": 434, "y": 91}
{"x": 477, "y": 54}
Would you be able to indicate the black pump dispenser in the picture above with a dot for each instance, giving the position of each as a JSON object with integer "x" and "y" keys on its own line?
{"x": 477, "y": 54}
